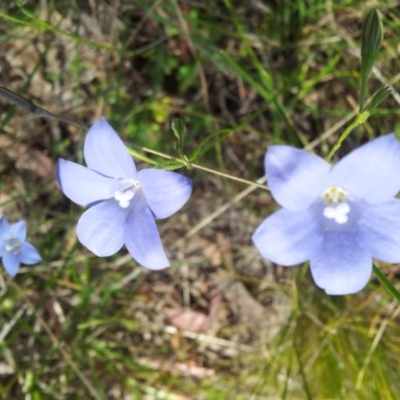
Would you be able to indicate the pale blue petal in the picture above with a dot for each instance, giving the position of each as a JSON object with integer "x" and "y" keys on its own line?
{"x": 18, "y": 231}
{"x": 29, "y": 255}
{"x": 296, "y": 177}
{"x": 4, "y": 231}
{"x": 288, "y": 237}
{"x": 2, "y": 247}
{"x": 165, "y": 191}
{"x": 101, "y": 228}
{"x": 341, "y": 266}
{"x": 371, "y": 172}
{"x": 11, "y": 263}
{"x": 143, "y": 241}
{"x": 82, "y": 185}
{"x": 4, "y": 227}
{"x": 379, "y": 230}
{"x": 106, "y": 153}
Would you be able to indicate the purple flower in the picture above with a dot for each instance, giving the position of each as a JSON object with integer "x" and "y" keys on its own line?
{"x": 337, "y": 217}
{"x": 123, "y": 202}
{"x": 14, "y": 249}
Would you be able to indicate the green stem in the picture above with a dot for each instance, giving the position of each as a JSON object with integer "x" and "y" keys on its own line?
{"x": 363, "y": 92}
{"x": 189, "y": 164}
{"x": 140, "y": 156}
{"x": 33, "y": 108}
{"x": 361, "y": 118}
{"x": 393, "y": 291}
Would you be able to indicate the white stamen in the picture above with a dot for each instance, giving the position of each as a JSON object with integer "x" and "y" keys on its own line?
{"x": 338, "y": 213}
{"x": 124, "y": 198}
{"x": 13, "y": 246}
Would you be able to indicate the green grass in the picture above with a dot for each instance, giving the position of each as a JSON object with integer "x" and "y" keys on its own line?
{"x": 242, "y": 75}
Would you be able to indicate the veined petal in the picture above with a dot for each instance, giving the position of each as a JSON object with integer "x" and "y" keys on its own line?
{"x": 29, "y": 255}
{"x": 288, "y": 237}
{"x": 4, "y": 233}
{"x": 11, "y": 263}
{"x": 4, "y": 227}
{"x": 295, "y": 177}
{"x": 82, "y": 185}
{"x": 101, "y": 228}
{"x": 165, "y": 191}
{"x": 106, "y": 153}
{"x": 18, "y": 231}
{"x": 379, "y": 230}
{"x": 371, "y": 172}
{"x": 341, "y": 266}
{"x": 143, "y": 241}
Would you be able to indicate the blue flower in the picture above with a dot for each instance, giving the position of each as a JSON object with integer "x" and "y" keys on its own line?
{"x": 14, "y": 249}
{"x": 123, "y": 202}
{"x": 337, "y": 217}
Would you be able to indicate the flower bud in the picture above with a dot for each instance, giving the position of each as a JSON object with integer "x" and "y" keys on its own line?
{"x": 371, "y": 38}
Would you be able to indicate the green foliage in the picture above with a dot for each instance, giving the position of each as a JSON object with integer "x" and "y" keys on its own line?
{"x": 212, "y": 84}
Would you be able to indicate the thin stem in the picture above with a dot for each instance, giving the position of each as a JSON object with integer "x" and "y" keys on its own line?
{"x": 223, "y": 174}
{"x": 393, "y": 291}
{"x": 363, "y": 92}
{"x": 361, "y": 118}
{"x": 139, "y": 155}
{"x": 189, "y": 165}
{"x": 29, "y": 106}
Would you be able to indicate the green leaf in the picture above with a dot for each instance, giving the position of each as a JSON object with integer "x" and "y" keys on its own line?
{"x": 385, "y": 281}
{"x": 139, "y": 155}
{"x": 380, "y": 96}
{"x": 178, "y": 128}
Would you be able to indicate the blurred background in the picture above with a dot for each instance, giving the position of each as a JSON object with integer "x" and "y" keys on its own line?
{"x": 221, "y": 323}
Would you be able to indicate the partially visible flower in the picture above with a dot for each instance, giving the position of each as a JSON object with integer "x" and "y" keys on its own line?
{"x": 337, "y": 217}
{"x": 14, "y": 249}
{"x": 123, "y": 202}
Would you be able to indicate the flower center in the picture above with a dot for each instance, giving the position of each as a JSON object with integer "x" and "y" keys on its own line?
{"x": 13, "y": 246}
{"x": 336, "y": 207}
{"x": 125, "y": 191}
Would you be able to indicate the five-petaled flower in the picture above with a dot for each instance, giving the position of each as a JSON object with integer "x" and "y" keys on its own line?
{"x": 14, "y": 249}
{"x": 123, "y": 202}
{"x": 337, "y": 217}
